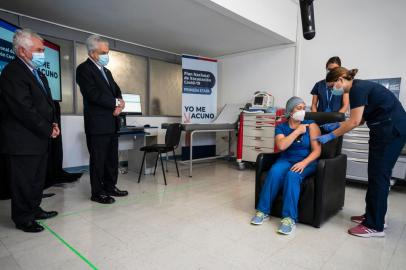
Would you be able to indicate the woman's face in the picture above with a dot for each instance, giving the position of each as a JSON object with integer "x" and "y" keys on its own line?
{"x": 332, "y": 66}
{"x": 342, "y": 83}
{"x": 299, "y": 107}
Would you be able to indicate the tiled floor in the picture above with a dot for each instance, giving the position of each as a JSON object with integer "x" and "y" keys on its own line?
{"x": 194, "y": 223}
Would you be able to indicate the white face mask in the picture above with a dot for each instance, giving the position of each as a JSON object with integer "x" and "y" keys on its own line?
{"x": 299, "y": 115}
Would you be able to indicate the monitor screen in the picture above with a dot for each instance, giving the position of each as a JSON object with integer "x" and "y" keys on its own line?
{"x": 51, "y": 68}
{"x": 258, "y": 100}
{"x": 132, "y": 104}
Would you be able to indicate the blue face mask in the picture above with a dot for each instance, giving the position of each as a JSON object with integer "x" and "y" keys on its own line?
{"x": 103, "y": 60}
{"x": 337, "y": 91}
{"x": 38, "y": 60}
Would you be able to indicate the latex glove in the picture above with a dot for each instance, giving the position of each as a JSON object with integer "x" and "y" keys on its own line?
{"x": 329, "y": 127}
{"x": 326, "y": 138}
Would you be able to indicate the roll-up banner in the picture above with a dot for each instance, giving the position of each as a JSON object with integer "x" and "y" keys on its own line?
{"x": 199, "y": 101}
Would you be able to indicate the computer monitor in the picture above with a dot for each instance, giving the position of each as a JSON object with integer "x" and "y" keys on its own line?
{"x": 132, "y": 104}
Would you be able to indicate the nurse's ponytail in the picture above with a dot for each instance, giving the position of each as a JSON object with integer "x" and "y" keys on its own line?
{"x": 339, "y": 72}
{"x": 351, "y": 74}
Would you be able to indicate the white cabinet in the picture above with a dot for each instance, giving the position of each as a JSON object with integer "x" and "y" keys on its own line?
{"x": 258, "y": 135}
{"x": 355, "y": 146}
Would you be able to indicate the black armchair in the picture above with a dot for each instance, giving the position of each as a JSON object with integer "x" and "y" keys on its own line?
{"x": 322, "y": 194}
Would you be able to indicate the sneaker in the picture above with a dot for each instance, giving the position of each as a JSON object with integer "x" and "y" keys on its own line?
{"x": 287, "y": 226}
{"x": 362, "y": 231}
{"x": 259, "y": 218}
{"x": 360, "y": 219}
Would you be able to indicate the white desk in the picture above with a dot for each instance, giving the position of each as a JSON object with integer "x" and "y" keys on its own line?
{"x": 132, "y": 141}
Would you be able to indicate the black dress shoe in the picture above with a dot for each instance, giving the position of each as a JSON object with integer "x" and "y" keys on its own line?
{"x": 104, "y": 199}
{"x": 117, "y": 193}
{"x": 45, "y": 215}
{"x": 31, "y": 227}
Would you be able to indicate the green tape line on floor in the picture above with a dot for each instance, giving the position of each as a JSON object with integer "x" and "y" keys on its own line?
{"x": 68, "y": 246}
{"x": 126, "y": 201}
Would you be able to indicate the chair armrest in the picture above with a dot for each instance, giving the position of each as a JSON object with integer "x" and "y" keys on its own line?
{"x": 329, "y": 187}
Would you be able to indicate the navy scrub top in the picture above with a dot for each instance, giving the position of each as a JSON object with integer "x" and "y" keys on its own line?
{"x": 383, "y": 112}
{"x": 300, "y": 148}
{"x": 326, "y": 101}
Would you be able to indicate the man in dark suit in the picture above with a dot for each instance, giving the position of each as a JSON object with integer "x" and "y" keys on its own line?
{"x": 4, "y": 181}
{"x": 102, "y": 104}
{"x": 28, "y": 123}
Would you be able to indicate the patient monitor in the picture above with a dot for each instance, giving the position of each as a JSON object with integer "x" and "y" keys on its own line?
{"x": 262, "y": 101}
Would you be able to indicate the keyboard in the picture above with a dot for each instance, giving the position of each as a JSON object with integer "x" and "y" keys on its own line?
{"x": 133, "y": 127}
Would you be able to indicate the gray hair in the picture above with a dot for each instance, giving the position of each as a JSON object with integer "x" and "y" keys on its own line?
{"x": 93, "y": 42}
{"x": 23, "y": 38}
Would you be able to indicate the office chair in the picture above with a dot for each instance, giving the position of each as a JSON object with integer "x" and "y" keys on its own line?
{"x": 172, "y": 138}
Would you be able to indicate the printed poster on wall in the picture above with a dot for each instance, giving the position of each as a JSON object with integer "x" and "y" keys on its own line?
{"x": 199, "y": 103}
{"x": 199, "y": 92}
{"x": 393, "y": 84}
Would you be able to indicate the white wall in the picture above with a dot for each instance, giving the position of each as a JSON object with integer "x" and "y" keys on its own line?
{"x": 240, "y": 75}
{"x": 74, "y": 141}
{"x": 279, "y": 16}
{"x": 367, "y": 34}
{"x": 270, "y": 70}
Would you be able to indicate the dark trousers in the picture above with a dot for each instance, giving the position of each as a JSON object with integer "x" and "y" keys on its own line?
{"x": 103, "y": 151}
{"x": 4, "y": 180}
{"x": 381, "y": 160}
{"x": 27, "y": 177}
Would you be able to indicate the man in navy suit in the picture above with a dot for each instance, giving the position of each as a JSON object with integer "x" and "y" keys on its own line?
{"x": 28, "y": 123}
{"x": 102, "y": 104}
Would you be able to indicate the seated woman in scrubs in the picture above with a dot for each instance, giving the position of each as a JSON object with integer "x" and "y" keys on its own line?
{"x": 298, "y": 159}
{"x": 324, "y": 98}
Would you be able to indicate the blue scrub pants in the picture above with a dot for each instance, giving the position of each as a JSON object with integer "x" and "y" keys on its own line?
{"x": 280, "y": 176}
{"x": 382, "y": 157}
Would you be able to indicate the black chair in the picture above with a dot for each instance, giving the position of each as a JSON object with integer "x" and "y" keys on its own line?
{"x": 322, "y": 194}
{"x": 172, "y": 138}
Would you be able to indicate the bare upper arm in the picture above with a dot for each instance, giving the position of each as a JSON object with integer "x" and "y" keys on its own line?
{"x": 278, "y": 138}
{"x": 314, "y": 132}
{"x": 315, "y": 99}
{"x": 346, "y": 98}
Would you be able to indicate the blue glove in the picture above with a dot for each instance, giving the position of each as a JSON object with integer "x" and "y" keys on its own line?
{"x": 330, "y": 126}
{"x": 326, "y": 138}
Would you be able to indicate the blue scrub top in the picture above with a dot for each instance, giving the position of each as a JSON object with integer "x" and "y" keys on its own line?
{"x": 383, "y": 112}
{"x": 299, "y": 149}
{"x": 326, "y": 101}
